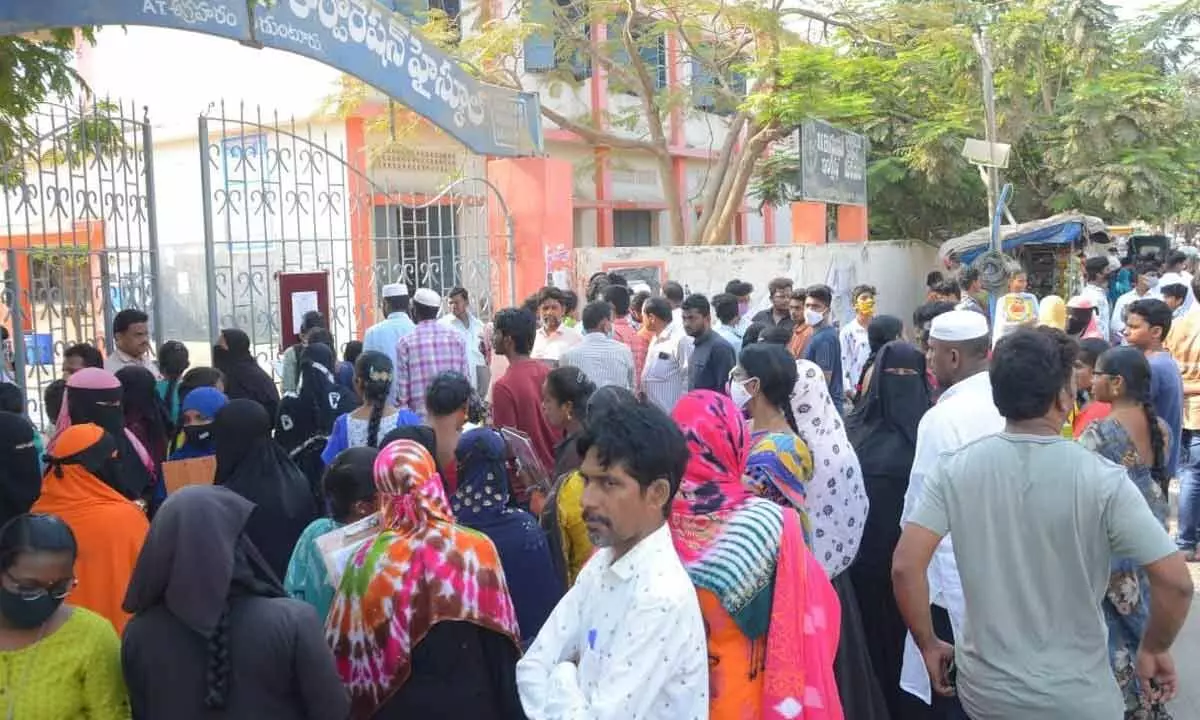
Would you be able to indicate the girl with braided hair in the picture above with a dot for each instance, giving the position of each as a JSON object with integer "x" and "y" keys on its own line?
{"x": 1133, "y": 436}
{"x": 367, "y": 424}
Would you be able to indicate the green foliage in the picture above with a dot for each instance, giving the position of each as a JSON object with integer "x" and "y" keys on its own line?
{"x": 1101, "y": 113}
{"x": 32, "y": 71}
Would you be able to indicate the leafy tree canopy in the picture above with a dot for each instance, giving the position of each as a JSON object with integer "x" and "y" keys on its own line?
{"x": 1101, "y": 112}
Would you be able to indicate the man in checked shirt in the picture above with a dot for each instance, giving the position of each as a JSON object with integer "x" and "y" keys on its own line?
{"x": 426, "y": 352}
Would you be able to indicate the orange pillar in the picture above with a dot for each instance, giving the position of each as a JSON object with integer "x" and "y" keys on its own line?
{"x": 359, "y": 202}
{"x": 808, "y": 223}
{"x": 538, "y": 194}
{"x": 852, "y": 223}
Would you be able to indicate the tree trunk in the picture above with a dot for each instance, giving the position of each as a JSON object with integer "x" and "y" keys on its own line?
{"x": 733, "y": 191}
{"x": 671, "y": 193}
{"x": 717, "y": 174}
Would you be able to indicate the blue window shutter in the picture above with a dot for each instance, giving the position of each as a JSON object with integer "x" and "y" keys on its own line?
{"x": 616, "y": 28}
{"x": 702, "y": 84}
{"x": 655, "y": 56}
{"x": 539, "y": 46}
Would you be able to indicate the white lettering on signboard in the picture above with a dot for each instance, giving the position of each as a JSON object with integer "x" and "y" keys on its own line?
{"x": 192, "y": 12}
{"x": 364, "y": 23}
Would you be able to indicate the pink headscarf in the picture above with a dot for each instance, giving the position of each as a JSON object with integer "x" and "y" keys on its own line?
{"x": 1092, "y": 330}
{"x": 97, "y": 379}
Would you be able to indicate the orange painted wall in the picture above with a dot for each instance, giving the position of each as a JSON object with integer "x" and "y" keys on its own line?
{"x": 538, "y": 192}
{"x": 852, "y": 223}
{"x": 808, "y": 223}
{"x": 88, "y": 235}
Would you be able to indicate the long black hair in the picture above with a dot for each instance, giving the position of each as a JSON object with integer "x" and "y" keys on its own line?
{"x": 375, "y": 371}
{"x": 569, "y": 384}
{"x": 34, "y": 532}
{"x": 776, "y": 371}
{"x": 1131, "y": 366}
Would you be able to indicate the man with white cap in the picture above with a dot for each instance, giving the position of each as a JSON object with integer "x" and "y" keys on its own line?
{"x": 383, "y": 336}
{"x": 959, "y": 342}
{"x": 428, "y": 351}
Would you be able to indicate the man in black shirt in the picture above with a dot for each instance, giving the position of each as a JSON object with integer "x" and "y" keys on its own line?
{"x": 780, "y": 290}
{"x": 713, "y": 357}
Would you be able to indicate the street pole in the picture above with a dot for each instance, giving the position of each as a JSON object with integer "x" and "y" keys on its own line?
{"x": 983, "y": 47}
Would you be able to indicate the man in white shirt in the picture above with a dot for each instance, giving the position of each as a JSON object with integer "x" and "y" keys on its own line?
{"x": 553, "y": 337}
{"x": 1037, "y": 522}
{"x": 856, "y": 346}
{"x": 604, "y": 360}
{"x": 470, "y": 328}
{"x": 131, "y": 342}
{"x": 674, "y": 294}
{"x": 1144, "y": 283}
{"x": 959, "y": 342}
{"x": 383, "y": 336}
{"x": 665, "y": 374}
{"x": 1097, "y": 273}
{"x": 627, "y": 641}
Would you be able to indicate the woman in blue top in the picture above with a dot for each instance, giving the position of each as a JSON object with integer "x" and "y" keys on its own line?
{"x": 376, "y": 417}
{"x": 349, "y": 486}
{"x": 197, "y": 412}
{"x": 172, "y": 363}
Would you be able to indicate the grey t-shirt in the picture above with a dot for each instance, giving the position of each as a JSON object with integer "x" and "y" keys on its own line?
{"x": 1035, "y": 521}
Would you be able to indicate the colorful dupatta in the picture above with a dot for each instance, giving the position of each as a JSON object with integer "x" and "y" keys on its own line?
{"x": 394, "y": 588}
{"x": 750, "y": 553}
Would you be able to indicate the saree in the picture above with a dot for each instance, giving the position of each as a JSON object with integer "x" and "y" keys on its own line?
{"x": 1126, "y": 603}
{"x": 769, "y": 611}
{"x": 423, "y": 569}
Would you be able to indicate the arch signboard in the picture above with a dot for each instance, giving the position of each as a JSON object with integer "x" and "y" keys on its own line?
{"x": 362, "y": 38}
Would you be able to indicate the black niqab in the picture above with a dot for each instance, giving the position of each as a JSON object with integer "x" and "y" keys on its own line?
{"x": 251, "y": 464}
{"x": 244, "y": 378}
{"x": 20, "y": 473}
{"x": 319, "y": 400}
{"x": 196, "y": 555}
{"x": 102, "y": 406}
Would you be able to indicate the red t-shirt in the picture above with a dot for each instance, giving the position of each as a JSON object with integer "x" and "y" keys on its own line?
{"x": 1090, "y": 413}
{"x": 517, "y": 403}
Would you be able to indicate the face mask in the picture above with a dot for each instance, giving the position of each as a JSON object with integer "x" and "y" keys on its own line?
{"x": 812, "y": 317}
{"x": 866, "y": 306}
{"x": 1076, "y": 326}
{"x": 198, "y": 434}
{"x": 739, "y": 394}
{"x": 1151, "y": 282}
{"x": 27, "y": 614}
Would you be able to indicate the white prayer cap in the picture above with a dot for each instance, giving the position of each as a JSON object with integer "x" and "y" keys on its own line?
{"x": 395, "y": 290}
{"x": 958, "y": 326}
{"x": 427, "y": 297}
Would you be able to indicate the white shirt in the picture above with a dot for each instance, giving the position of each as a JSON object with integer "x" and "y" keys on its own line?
{"x": 665, "y": 374}
{"x": 472, "y": 335}
{"x": 120, "y": 359}
{"x": 383, "y": 336}
{"x": 626, "y": 642}
{"x": 1117, "y": 326}
{"x": 605, "y": 361}
{"x": 551, "y": 346}
{"x": 856, "y": 348}
{"x": 965, "y": 412}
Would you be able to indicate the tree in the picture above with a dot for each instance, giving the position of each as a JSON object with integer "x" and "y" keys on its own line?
{"x": 557, "y": 46}
{"x": 32, "y": 70}
{"x": 1100, "y": 112}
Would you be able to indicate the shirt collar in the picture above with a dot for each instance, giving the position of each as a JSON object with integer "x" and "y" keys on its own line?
{"x": 595, "y": 336}
{"x": 977, "y": 383}
{"x": 642, "y": 553}
{"x": 127, "y": 358}
{"x": 398, "y": 314}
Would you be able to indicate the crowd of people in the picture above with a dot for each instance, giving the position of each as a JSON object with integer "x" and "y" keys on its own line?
{"x": 665, "y": 507}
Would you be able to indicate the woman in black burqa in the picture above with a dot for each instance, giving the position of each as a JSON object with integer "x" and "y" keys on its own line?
{"x": 244, "y": 377}
{"x": 22, "y": 473}
{"x": 212, "y": 632}
{"x": 251, "y": 464}
{"x": 883, "y": 431}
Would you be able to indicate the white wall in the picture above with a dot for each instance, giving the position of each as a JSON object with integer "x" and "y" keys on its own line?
{"x": 896, "y": 268}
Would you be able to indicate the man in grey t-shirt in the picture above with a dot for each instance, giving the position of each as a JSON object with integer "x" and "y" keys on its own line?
{"x": 1036, "y": 521}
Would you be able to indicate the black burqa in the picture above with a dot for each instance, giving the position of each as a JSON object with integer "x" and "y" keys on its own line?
{"x": 306, "y": 416}
{"x": 883, "y": 432}
{"x": 244, "y": 378}
{"x": 251, "y": 464}
{"x": 882, "y": 330}
{"x": 102, "y": 406}
{"x": 20, "y": 473}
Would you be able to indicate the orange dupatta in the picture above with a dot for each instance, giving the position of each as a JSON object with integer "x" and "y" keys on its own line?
{"x": 108, "y": 528}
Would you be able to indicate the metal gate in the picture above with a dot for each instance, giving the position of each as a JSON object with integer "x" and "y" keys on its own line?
{"x": 77, "y": 234}
{"x": 278, "y": 197}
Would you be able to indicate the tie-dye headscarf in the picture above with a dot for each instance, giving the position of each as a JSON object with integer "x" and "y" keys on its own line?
{"x": 393, "y": 590}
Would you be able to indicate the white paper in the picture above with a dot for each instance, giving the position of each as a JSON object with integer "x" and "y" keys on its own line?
{"x": 302, "y": 302}
{"x": 338, "y": 546}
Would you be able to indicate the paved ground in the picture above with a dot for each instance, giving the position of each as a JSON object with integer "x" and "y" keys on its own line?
{"x": 1187, "y": 646}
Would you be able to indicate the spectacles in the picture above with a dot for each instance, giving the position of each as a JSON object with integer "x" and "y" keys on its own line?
{"x": 29, "y": 593}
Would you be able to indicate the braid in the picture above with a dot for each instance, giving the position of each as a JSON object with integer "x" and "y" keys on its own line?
{"x": 1158, "y": 442}
{"x": 373, "y": 423}
{"x": 216, "y": 691}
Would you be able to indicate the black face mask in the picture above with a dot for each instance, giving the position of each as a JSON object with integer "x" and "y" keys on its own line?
{"x": 219, "y": 353}
{"x": 27, "y": 614}
{"x": 198, "y": 435}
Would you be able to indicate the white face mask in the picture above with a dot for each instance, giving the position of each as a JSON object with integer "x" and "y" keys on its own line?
{"x": 1151, "y": 281}
{"x": 812, "y": 317}
{"x": 739, "y": 394}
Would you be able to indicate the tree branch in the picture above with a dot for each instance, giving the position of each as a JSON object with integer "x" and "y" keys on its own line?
{"x": 834, "y": 22}
{"x": 599, "y": 138}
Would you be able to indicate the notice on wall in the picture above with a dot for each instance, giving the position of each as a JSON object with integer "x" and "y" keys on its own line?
{"x": 302, "y": 303}
{"x": 833, "y": 164}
